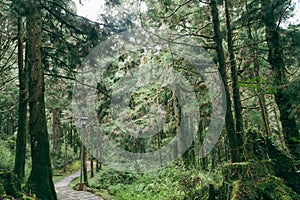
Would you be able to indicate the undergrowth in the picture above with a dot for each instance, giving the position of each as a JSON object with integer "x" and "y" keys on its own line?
{"x": 174, "y": 182}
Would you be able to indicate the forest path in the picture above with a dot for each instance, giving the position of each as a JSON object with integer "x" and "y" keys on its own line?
{"x": 64, "y": 192}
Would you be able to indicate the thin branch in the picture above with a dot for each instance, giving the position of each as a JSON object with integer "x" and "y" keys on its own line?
{"x": 204, "y": 2}
{"x": 60, "y": 76}
{"x": 75, "y": 15}
{"x": 63, "y": 21}
{"x": 74, "y": 79}
{"x": 180, "y": 6}
{"x": 90, "y": 86}
{"x": 282, "y": 15}
{"x": 9, "y": 109}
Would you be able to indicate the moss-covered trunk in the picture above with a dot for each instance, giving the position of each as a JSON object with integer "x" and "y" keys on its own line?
{"x": 234, "y": 77}
{"x": 269, "y": 175}
{"x": 40, "y": 181}
{"x": 283, "y": 101}
{"x": 234, "y": 141}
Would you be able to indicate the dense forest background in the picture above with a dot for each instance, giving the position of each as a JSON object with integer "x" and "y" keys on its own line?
{"x": 251, "y": 48}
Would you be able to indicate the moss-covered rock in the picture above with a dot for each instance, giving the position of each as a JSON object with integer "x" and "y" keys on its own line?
{"x": 269, "y": 187}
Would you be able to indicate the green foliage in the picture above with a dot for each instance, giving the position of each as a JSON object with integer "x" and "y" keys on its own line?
{"x": 6, "y": 156}
{"x": 58, "y": 161}
{"x": 110, "y": 177}
{"x": 292, "y": 90}
{"x": 8, "y": 184}
{"x": 174, "y": 182}
{"x": 142, "y": 111}
{"x": 269, "y": 187}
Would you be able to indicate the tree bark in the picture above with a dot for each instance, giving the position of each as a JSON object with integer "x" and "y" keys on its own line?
{"x": 85, "y": 175}
{"x": 211, "y": 192}
{"x": 56, "y": 129}
{"x": 92, "y": 167}
{"x": 282, "y": 99}
{"x": 19, "y": 168}
{"x": 260, "y": 94}
{"x": 40, "y": 181}
{"x": 230, "y": 127}
{"x": 235, "y": 88}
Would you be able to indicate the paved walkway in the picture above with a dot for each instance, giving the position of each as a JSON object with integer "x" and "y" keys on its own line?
{"x": 66, "y": 193}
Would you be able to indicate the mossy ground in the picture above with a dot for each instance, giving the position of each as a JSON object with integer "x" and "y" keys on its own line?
{"x": 255, "y": 181}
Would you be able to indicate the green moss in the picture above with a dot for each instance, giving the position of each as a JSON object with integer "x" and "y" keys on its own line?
{"x": 274, "y": 188}
{"x": 9, "y": 184}
{"x": 25, "y": 197}
{"x": 2, "y": 189}
{"x": 247, "y": 170}
{"x": 235, "y": 189}
{"x": 253, "y": 181}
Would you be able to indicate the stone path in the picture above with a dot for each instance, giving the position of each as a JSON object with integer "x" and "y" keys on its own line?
{"x": 66, "y": 193}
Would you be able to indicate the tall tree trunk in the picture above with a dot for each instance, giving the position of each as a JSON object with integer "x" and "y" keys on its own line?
{"x": 213, "y": 156}
{"x": 204, "y": 159}
{"x": 56, "y": 129}
{"x": 234, "y": 78}
{"x": 92, "y": 167}
{"x": 65, "y": 131}
{"x": 84, "y": 167}
{"x": 283, "y": 100}
{"x": 19, "y": 168}
{"x": 211, "y": 192}
{"x": 230, "y": 127}
{"x": 40, "y": 181}
{"x": 260, "y": 93}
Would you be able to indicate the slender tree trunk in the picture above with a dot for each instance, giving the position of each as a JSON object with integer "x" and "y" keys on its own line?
{"x": 213, "y": 156}
{"x": 56, "y": 129}
{"x": 204, "y": 159}
{"x": 85, "y": 175}
{"x": 70, "y": 135}
{"x": 234, "y": 78}
{"x": 98, "y": 153}
{"x": 230, "y": 127}
{"x": 283, "y": 100}
{"x": 262, "y": 105}
{"x": 19, "y": 168}
{"x": 159, "y": 146}
{"x": 66, "y": 148}
{"x": 279, "y": 131}
{"x": 76, "y": 142}
{"x": 260, "y": 93}
{"x": 40, "y": 181}
{"x": 211, "y": 192}
{"x": 92, "y": 167}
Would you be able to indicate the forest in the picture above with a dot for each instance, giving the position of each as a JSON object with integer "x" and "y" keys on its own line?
{"x": 167, "y": 100}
